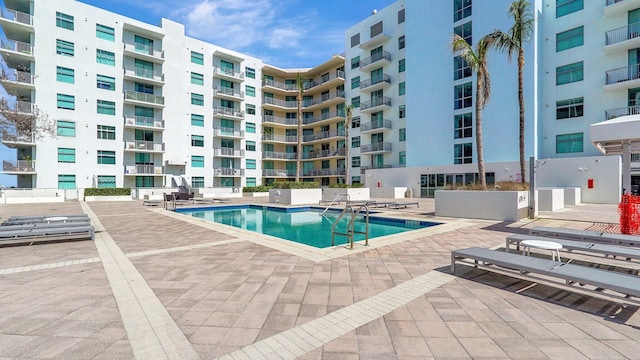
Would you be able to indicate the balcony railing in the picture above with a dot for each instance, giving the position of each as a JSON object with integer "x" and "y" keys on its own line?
{"x": 279, "y": 120}
{"x": 323, "y": 135}
{"x": 323, "y": 172}
{"x": 16, "y": 16}
{"x": 280, "y": 85}
{"x": 143, "y": 145}
{"x": 17, "y": 46}
{"x": 279, "y": 138}
{"x": 24, "y": 166}
{"x": 275, "y": 155}
{"x": 144, "y": 121}
{"x": 228, "y": 172}
{"x": 635, "y": 157}
{"x": 228, "y": 72}
{"x": 144, "y": 49}
{"x": 338, "y": 74}
{"x": 19, "y": 138}
{"x": 17, "y": 76}
{"x": 376, "y": 124}
{"x": 143, "y": 169}
{"x": 370, "y": 82}
{"x": 381, "y": 101}
{"x": 333, "y": 95}
{"x": 622, "y": 34}
{"x": 278, "y": 172}
{"x": 228, "y": 91}
{"x": 144, "y": 73}
{"x": 315, "y": 154}
{"x": 222, "y": 151}
{"x": 221, "y": 110}
{"x": 611, "y": 2}
{"x": 324, "y": 116}
{"x": 144, "y": 97}
{"x": 375, "y": 58}
{"x": 230, "y": 132}
{"x": 25, "y": 107}
{"x": 375, "y": 147}
{"x": 365, "y": 168}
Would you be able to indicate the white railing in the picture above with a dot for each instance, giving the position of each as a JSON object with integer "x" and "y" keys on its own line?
{"x": 220, "y": 110}
{"x": 381, "y": 146}
{"x": 228, "y": 172}
{"x": 315, "y": 154}
{"x": 279, "y": 138}
{"x": 16, "y": 16}
{"x": 375, "y": 58}
{"x": 144, "y": 49}
{"x": 231, "y": 132}
{"x": 278, "y": 172}
{"x": 370, "y": 82}
{"x": 144, "y": 97}
{"x": 228, "y": 72}
{"x": 18, "y": 76}
{"x": 228, "y": 152}
{"x": 17, "y": 46}
{"x": 376, "y": 124}
{"x": 144, "y": 121}
{"x": 323, "y": 135}
{"x": 279, "y": 155}
{"x": 279, "y": 120}
{"x": 143, "y": 170}
{"x": 143, "y": 73}
{"x": 143, "y": 145}
{"x": 386, "y": 101}
{"x": 228, "y": 91}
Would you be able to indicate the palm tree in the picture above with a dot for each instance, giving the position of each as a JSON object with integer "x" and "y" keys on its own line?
{"x": 300, "y": 83}
{"x": 348, "y": 113}
{"x": 512, "y": 41}
{"x": 477, "y": 61}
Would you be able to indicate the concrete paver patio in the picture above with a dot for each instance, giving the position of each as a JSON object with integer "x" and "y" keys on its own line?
{"x": 159, "y": 285}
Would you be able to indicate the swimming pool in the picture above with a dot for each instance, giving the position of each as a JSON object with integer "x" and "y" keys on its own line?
{"x": 305, "y": 225}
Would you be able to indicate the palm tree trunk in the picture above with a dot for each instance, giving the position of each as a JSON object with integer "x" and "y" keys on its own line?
{"x": 299, "y": 137}
{"x": 479, "y": 148}
{"x": 346, "y": 151}
{"x": 521, "y": 103}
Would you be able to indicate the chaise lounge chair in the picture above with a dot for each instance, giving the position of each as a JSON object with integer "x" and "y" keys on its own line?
{"x": 584, "y": 235}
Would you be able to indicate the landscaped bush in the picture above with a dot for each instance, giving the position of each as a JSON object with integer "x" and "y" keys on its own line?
{"x": 296, "y": 185}
{"x": 250, "y": 189}
{"x": 107, "y": 191}
{"x": 343, "y": 186}
{"x": 499, "y": 186}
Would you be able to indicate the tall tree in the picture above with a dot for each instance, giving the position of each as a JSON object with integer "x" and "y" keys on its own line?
{"x": 477, "y": 61}
{"x": 512, "y": 42}
{"x": 300, "y": 84}
{"x": 20, "y": 120}
{"x": 348, "y": 114}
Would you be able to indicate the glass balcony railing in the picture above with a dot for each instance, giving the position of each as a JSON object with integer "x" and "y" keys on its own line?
{"x": 16, "y": 16}
{"x": 17, "y": 76}
{"x": 17, "y": 46}
{"x": 23, "y": 166}
{"x": 144, "y": 97}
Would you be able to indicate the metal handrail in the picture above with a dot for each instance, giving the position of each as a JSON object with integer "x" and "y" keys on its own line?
{"x": 351, "y": 225}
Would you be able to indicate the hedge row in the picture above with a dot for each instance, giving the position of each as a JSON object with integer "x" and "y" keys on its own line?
{"x": 107, "y": 191}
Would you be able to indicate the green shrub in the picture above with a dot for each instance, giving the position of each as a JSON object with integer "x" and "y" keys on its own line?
{"x": 343, "y": 186}
{"x": 499, "y": 186}
{"x": 107, "y": 191}
{"x": 296, "y": 185}
{"x": 262, "y": 188}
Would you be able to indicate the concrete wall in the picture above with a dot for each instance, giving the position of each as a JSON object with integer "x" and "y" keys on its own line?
{"x": 489, "y": 205}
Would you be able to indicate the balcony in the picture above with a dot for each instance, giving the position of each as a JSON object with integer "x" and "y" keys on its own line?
{"x": 629, "y": 110}
{"x": 143, "y": 146}
{"x": 227, "y": 93}
{"x": 378, "y": 60}
{"x": 142, "y": 51}
{"x": 279, "y": 138}
{"x": 274, "y": 155}
{"x": 15, "y": 23}
{"x": 143, "y": 122}
{"x": 13, "y": 79}
{"x": 616, "y": 7}
{"x": 381, "y": 147}
{"x": 226, "y": 73}
{"x": 327, "y": 116}
{"x": 270, "y": 119}
{"x": 365, "y": 168}
{"x": 323, "y": 135}
{"x": 228, "y": 152}
{"x": 228, "y": 132}
{"x": 278, "y": 173}
{"x": 370, "y": 85}
{"x": 375, "y": 41}
{"x": 336, "y": 95}
{"x": 22, "y": 50}
{"x": 25, "y": 107}
{"x": 317, "y": 154}
{"x": 328, "y": 80}
{"x": 221, "y": 111}
{"x": 132, "y": 170}
{"x": 293, "y": 104}
{"x": 376, "y": 125}
{"x": 375, "y": 105}
{"x": 15, "y": 141}
{"x": 323, "y": 172}
{"x": 280, "y": 85}
{"x": 19, "y": 167}
{"x": 136, "y": 97}
{"x": 146, "y": 75}
{"x": 226, "y": 172}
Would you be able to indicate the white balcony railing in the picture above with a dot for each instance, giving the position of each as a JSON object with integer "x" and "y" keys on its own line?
{"x": 228, "y": 72}
{"x": 143, "y": 170}
{"x": 222, "y": 151}
{"x": 279, "y": 155}
{"x": 143, "y": 73}
{"x": 144, "y": 49}
{"x": 230, "y": 132}
{"x": 16, "y": 16}
{"x": 17, "y": 76}
{"x": 144, "y": 121}
{"x": 224, "y": 90}
{"x": 144, "y": 97}
{"x": 142, "y": 145}
{"x": 17, "y": 46}
{"x": 220, "y": 110}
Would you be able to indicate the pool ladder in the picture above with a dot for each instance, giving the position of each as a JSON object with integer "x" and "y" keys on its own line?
{"x": 351, "y": 231}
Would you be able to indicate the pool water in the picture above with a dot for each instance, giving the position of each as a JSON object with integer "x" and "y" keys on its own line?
{"x": 303, "y": 225}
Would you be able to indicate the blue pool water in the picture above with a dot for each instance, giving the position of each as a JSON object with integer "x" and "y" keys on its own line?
{"x": 305, "y": 225}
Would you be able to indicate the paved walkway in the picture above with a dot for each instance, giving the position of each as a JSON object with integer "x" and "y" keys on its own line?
{"x": 158, "y": 285}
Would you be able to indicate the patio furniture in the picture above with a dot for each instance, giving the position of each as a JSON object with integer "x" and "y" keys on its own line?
{"x": 398, "y": 205}
{"x": 584, "y": 235}
{"x": 555, "y": 247}
{"x": 46, "y": 235}
{"x": 48, "y": 220}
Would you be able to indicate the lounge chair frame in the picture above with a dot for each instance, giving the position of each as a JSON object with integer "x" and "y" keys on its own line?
{"x": 585, "y": 235}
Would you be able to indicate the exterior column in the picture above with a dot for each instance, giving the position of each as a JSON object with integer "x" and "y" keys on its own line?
{"x": 626, "y": 165}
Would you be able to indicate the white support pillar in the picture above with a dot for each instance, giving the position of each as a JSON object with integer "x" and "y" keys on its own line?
{"x": 626, "y": 165}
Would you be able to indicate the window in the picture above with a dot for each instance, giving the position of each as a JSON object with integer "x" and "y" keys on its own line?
{"x": 106, "y": 107}
{"x": 401, "y": 88}
{"x": 355, "y": 142}
{"x": 105, "y": 57}
{"x": 569, "y": 73}
{"x": 355, "y": 122}
{"x": 197, "y": 99}
{"x": 197, "y": 79}
{"x": 570, "y": 108}
{"x": 251, "y": 127}
{"x": 461, "y": 9}
{"x": 250, "y": 72}
{"x": 570, "y": 39}
{"x": 401, "y": 65}
{"x": 355, "y": 102}
{"x": 401, "y": 43}
{"x": 66, "y": 128}
{"x": 464, "y": 31}
{"x": 197, "y": 140}
{"x": 376, "y": 29}
{"x": 66, "y": 102}
{"x": 355, "y": 161}
{"x": 402, "y": 157}
{"x": 106, "y": 157}
{"x": 569, "y": 143}
{"x": 251, "y": 109}
{"x": 565, "y": 7}
{"x": 106, "y": 132}
{"x": 250, "y": 90}
{"x": 66, "y": 181}
{"x": 355, "y": 82}
{"x": 460, "y": 68}
{"x": 66, "y": 155}
{"x": 197, "y": 58}
{"x": 106, "y": 82}
{"x": 105, "y": 32}
{"x": 144, "y": 181}
{"x": 65, "y": 75}
{"x": 355, "y": 62}
{"x": 144, "y": 88}
{"x": 64, "y": 21}
{"x": 197, "y": 161}
{"x": 402, "y": 111}
{"x": 197, "y": 120}
{"x": 355, "y": 40}
{"x": 106, "y": 181}
{"x": 251, "y": 181}
{"x": 65, "y": 48}
{"x": 463, "y": 96}
{"x": 462, "y": 126}
{"x": 401, "y": 16}
{"x": 462, "y": 153}
{"x": 250, "y": 145}
{"x": 251, "y": 164}
{"x": 197, "y": 181}
{"x": 402, "y": 134}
